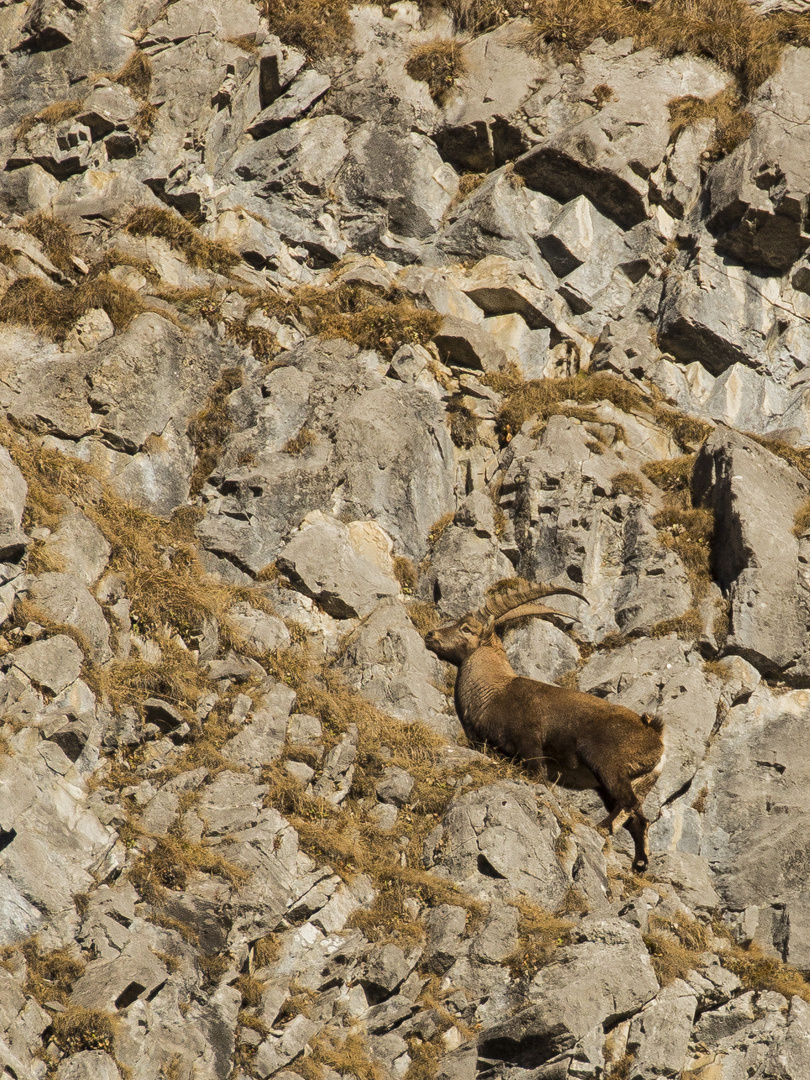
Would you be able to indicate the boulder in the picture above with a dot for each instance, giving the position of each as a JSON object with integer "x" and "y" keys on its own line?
{"x": 759, "y": 196}
{"x": 755, "y": 496}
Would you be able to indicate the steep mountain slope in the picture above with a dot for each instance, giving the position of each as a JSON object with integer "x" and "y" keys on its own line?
{"x": 315, "y": 323}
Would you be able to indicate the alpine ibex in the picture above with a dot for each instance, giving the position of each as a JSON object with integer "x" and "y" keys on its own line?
{"x": 550, "y": 727}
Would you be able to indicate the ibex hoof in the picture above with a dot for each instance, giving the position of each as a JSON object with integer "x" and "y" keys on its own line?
{"x": 640, "y": 865}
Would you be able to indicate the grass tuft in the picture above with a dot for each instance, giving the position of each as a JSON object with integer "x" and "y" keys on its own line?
{"x": 675, "y": 946}
{"x": 210, "y": 427}
{"x": 368, "y": 319}
{"x": 540, "y": 934}
{"x": 50, "y": 975}
{"x": 182, "y": 236}
{"x": 136, "y": 75}
{"x": 53, "y": 114}
{"x": 746, "y": 45}
{"x": 439, "y": 63}
{"x": 316, "y": 27}
{"x": 54, "y": 312}
{"x": 57, "y": 238}
{"x": 733, "y": 123}
{"x": 84, "y": 1029}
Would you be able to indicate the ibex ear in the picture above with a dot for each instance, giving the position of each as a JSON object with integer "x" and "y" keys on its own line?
{"x": 539, "y": 610}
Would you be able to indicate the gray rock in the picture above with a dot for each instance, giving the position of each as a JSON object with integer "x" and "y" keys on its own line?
{"x": 399, "y": 179}
{"x": 80, "y": 546}
{"x": 718, "y": 313}
{"x": 755, "y": 496}
{"x": 758, "y": 195}
{"x": 88, "y": 1065}
{"x": 259, "y": 631}
{"x": 659, "y": 1034}
{"x": 539, "y": 650}
{"x": 497, "y": 838}
{"x": 53, "y": 663}
{"x": 477, "y": 132}
{"x": 114, "y": 984}
{"x": 13, "y": 492}
{"x": 395, "y": 786}
{"x": 322, "y": 562}
{"x": 464, "y": 344}
{"x": 63, "y": 598}
{"x": 302, "y": 94}
{"x": 755, "y": 803}
{"x": 386, "y": 660}
{"x": 585, "y": 986}
{"x": 262, "y": 738}
{"x": 609, "y": 155}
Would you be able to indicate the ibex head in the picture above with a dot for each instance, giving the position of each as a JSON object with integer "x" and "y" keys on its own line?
{"x": 461, "y": 638}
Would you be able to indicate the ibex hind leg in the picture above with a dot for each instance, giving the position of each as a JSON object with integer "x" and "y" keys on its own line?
{"x": 627, "y": 809}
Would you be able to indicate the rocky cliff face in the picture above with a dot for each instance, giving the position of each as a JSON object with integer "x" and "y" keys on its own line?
{"x": 299, "y": 354}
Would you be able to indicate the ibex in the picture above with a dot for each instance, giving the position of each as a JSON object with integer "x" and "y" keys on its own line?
{"x": 550, "y": 727}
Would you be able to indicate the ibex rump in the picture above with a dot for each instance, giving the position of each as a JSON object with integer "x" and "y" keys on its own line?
{"x": 550, "y": 727}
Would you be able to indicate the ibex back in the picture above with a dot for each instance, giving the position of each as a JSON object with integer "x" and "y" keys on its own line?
{"x": 550, "y": 727}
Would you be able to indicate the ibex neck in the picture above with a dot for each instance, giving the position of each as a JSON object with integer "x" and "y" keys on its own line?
{"x": 480, "y": 678}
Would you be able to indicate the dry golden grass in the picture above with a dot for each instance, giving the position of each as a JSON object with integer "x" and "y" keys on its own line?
{"x": 406, "y": 574}
{"x": 628, "y": 483}
{"x": 348, "y": 1056}
{"x": 543, "y": 398}
{"x": 198, "y": 302}
{"x": 358, "y": 314}
{"x": 438, "y": 528}
{"x": 54, "y": 312}
{"x": 746, "y": 45}
{"x": 388, "y": 920}
{"x": 50, "y": 975}
{"x": 463, "y": 424}
{"x": 84, "y": 1029}
{"x": 245, "y": 42}
{"x": 801, "y": 522}
{"x": 181, "y": 235}
{"x": 136, "y": 75}
{"x": 300, "y": 443}
{"x": 621, "y": 1069}
{"x": 467, "y": 184}
{"x": 688, "y": 531}
{"x": 171, "y": 862}
{"x": 673, "y": 474}
{"x": 476, "y": 16}
{"x": 675, "y": 946}
{"x": 210, "y": 427}
{"x": 799, "y": 459}
{"x": 145, "y": 119}
{"x": 51, "y": 115}
{"x": 266, "y": 951}
{"x": 424, "y": 616}
{"x": 733, "y": 123}
{"x": 439, "y": 63}
{"x": 316, "y": 27}
{"x": 262, "y": 343}
{"x": 687, "y": 626}
{"x": 57, "y": 238}
{"x": 540, "y": 934}
{"x": 115, "y": 257}
{"x": 759, "y": 972}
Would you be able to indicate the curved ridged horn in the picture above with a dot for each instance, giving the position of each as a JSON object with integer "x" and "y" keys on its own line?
{"x": 523, "y": 592}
